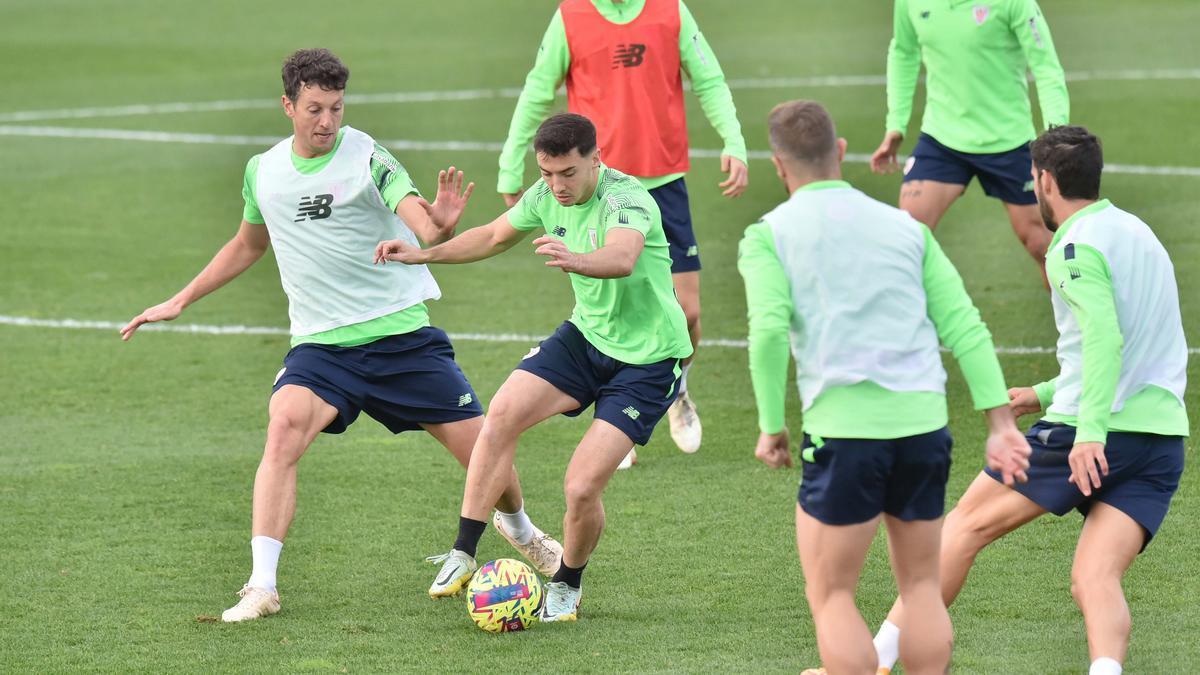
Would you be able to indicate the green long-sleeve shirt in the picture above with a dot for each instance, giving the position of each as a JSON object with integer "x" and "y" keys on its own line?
{"x": 1081, "y": 275}
{"x": 975, "y": 55}
{"x": 697, "y": 59}
{"x": 864, "y": 409}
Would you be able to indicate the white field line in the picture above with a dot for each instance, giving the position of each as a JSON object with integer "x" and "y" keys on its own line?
{"x": 204, "y": 329}
{"x": 513, "y": 92}
{"x": 435, "y": 146}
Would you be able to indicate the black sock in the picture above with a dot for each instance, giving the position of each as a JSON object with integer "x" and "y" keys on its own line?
{"x": 573, "y": 576}
{"x": 469, "y": 532}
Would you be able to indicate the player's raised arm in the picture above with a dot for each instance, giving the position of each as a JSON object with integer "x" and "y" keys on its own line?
{"x": 475, "y": 244}
{"x": 246, "y": 247}
{"x": 435, "y": 223}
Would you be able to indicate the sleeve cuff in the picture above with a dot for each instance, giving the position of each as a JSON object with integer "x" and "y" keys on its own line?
{"x": 1045, "y": 393}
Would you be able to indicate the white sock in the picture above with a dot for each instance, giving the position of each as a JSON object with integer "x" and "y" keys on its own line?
{"x": 518, "y": 525}
{"x": 266, "y": 559}
{"x": 887, "y": 645}
{"x": 683, "y": 378}
{"x": 1105, "y": 666}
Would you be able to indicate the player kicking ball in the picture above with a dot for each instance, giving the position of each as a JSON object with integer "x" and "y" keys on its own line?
{"x": 620, "y": 349}
{"x": 361, "y": 339}
{"x": 1111, "y": 442}
{"x": 866, "y": 294}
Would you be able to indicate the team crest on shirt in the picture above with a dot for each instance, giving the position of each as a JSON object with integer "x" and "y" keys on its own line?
{"x": 981, "y": 13}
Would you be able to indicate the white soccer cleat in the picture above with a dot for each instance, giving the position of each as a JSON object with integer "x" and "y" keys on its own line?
{"x": 562, "y": 602}
{"x": 685, "y": 424}
{"x": 541, "y": 549}
{"x": 457, "y": 570}
{"x": 629, "y": 460}
{"x": 255, "y": 603}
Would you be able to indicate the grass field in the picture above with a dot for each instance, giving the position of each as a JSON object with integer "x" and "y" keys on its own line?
{"x": 126, "y": 469}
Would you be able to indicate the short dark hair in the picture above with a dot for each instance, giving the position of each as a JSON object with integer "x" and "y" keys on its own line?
{"x": 803, "y": 131}
{"x": 564, "y": 132}
{"x": 1074, "y": 157}
{"x": 313, "y": 66}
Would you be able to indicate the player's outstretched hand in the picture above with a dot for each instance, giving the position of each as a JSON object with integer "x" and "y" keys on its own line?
{"x": 162, "y": 312}
{"x": 451, "y": 199}
{"x": 398, "y": 250}
{"x": 511, "y": 198}
{"x": 774, "y": 450}
{"x": 883, "y": 160}
{"x": 739, "y": 176}
{"x": 558, "y": 254}
{"x": 1087, "y": 465}
{"x": 1023, "y": 401}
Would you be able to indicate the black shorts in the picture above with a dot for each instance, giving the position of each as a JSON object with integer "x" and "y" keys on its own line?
{"x": 1003, "y": 175}
{"x": 402, "y": 380}
{"x": 1143, "y": 474}
{"x": 672, "y": 200}
{"x": 852, "y": 480}
{"x": 633, "y": 398}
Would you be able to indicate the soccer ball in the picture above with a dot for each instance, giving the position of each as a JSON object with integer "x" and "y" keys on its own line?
{"x": 504, "y": 595}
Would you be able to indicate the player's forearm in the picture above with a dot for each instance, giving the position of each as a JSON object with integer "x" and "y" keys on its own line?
{"x": 534, "y": 104}
{"x": 768, "y": 374}
{"x": 708, "y": 83}
{"x": 475, "y": 244}
{"x": 235, "y": 257}
{"x": 903, "y": 67}
{"x": 1033, "y": 33}
{"x": 607, "y": 262}
{"x": 1101, "y": 371}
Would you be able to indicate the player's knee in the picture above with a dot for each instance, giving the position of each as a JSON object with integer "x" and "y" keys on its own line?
{"x": 966, "y": 533}
{"x": 580, "y": 492}
{"x": 503, "y": 420}
{"x": 285, "y": 439}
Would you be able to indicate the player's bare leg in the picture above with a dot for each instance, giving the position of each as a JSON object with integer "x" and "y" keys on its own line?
{"x": 987, "y": 511}
{"x": 297, "y": 415}
{"x": 927, "y": 641}
{"x": 1029, "y": 227}
{"x": 1107, "y": 547}
{"x": 460, "y": 438}
{"x": 592, "y": 466}
{"x": 832, "y": 557}
{"x": 928, "y": 200}
{"x": 510, "y": 519}
{"x": 523, "y": 400}
{"x": 682, "y": 416}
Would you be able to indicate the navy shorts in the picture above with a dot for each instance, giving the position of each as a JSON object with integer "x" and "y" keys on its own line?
{"x": 1143, "y": 474}
{"x": 633, "y": 398}
{"x": 852, "y": 480}
{"x": 402, "y": 380}
{"x": 672, "y": 200}
{"x": 1003, "y": 175}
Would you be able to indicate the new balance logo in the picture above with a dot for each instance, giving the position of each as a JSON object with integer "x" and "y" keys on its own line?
{"x": 629, "y": 56}
{"x": 693, "y": 251}
{"x": 632, "y": 412}
{"x": 559, "y": 231}
{"x": 465, "y": 400}
{"x": 314, "y": 208}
